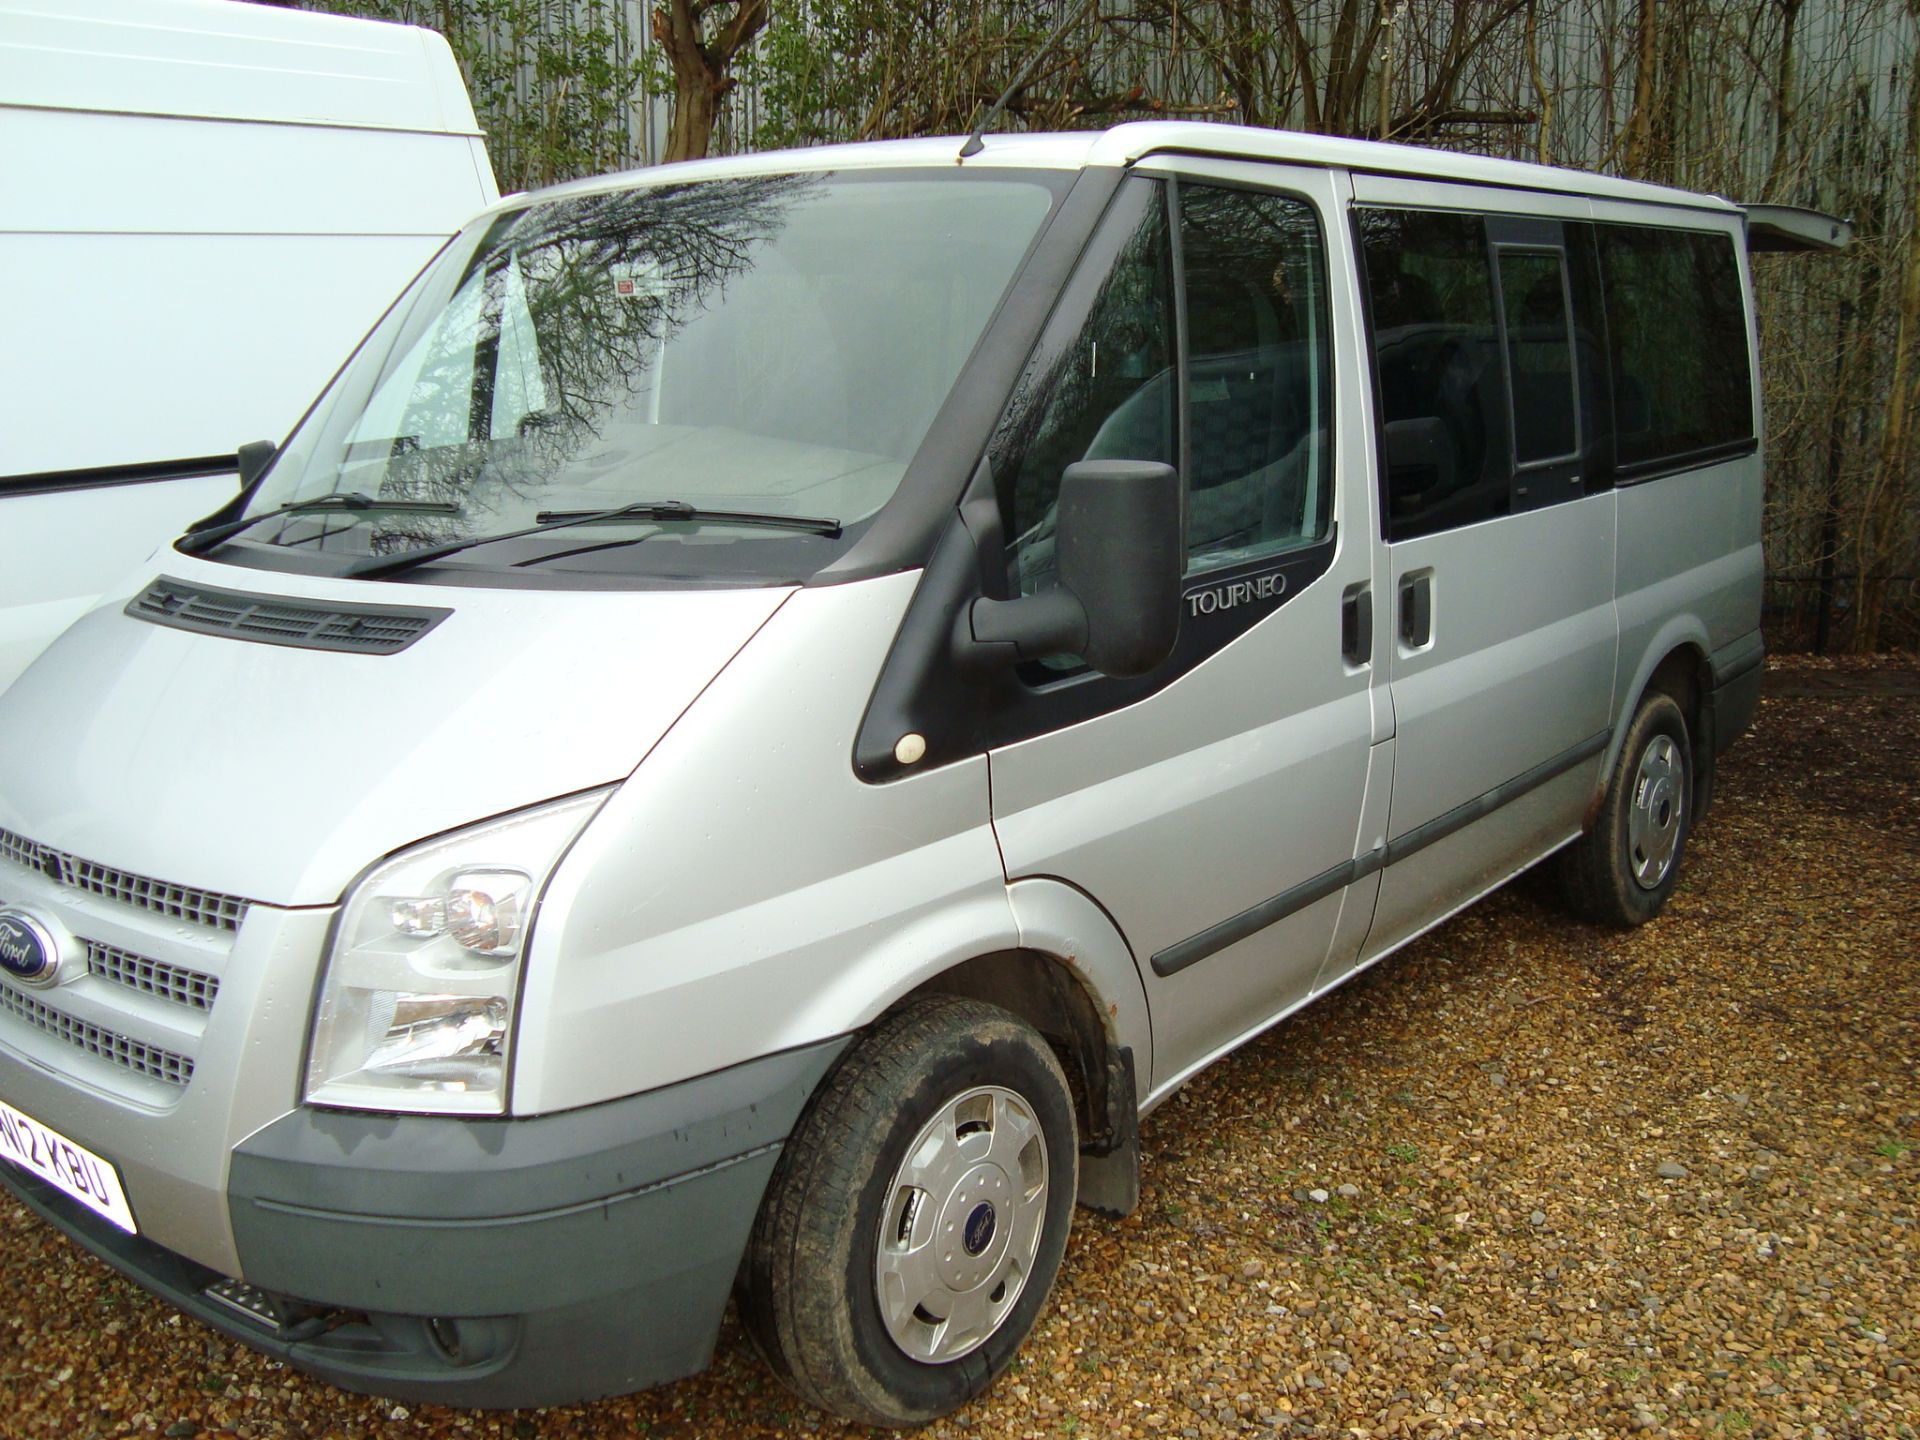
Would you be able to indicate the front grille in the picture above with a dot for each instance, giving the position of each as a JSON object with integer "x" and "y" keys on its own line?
{"x": 133, "y": 1055}
{"x": 151, "y": 977}
{"x": 178, "y": 902}
{"x": 277, "y": 620}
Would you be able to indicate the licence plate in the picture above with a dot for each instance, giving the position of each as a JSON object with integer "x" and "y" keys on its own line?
{"x": 69, "y": 1167}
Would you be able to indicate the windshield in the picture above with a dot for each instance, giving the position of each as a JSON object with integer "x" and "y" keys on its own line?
{"x": 775, "y": 345}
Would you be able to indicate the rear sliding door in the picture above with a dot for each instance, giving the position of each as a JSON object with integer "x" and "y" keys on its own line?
{"x": 1497, "y": 531}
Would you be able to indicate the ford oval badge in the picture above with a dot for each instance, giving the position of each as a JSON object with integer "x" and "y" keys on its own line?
{"x": 28, "y": 950}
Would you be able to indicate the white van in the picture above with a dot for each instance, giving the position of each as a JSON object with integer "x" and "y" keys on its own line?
{"x": 207, "y": 204}
{"x": 777, "y": 705}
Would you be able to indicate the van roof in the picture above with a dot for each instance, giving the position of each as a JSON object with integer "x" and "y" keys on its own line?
{"x": 226, "y": 60}
{"x": 1124, "y": 144}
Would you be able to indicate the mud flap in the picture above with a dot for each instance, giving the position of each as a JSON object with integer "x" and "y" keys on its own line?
{"x": 1110, "y": 1165}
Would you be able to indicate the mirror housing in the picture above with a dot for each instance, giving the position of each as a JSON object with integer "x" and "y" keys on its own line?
{"x": 253, "y": 458}
{"x": 1119, "y": 561}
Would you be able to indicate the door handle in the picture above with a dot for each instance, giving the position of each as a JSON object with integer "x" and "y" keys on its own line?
{"x": 1416, "y": 609}
{"x": 1356, "y": 623}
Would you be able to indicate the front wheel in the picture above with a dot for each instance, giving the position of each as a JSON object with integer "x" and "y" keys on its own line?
{"x": 917, "y": 1216}
{"x": 1621, "y": 872}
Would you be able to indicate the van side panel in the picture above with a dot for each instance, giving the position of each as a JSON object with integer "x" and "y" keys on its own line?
{"x": 1690, "y": 570}
{"x": 1519, "y": 675}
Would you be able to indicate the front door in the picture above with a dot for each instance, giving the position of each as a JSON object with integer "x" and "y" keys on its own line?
{"x": 1212, "y": 809}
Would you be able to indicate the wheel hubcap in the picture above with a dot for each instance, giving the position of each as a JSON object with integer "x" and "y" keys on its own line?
{"x": 961, "y": 1225}
{"x": 1653, "y": 819}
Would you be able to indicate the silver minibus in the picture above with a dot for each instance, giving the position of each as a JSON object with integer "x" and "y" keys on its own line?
{"x": 776, "y": 706}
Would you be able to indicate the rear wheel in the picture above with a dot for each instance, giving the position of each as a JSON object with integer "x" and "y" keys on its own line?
{"x": 1621, "y": 872}
{"x": 917, "y": 1216}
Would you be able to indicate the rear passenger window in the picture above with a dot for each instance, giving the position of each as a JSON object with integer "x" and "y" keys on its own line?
{"x": 1677, "y": 330}
{"x": 1533, "y": 301}
{"x": 1436, "y": 345}
{"x": 1259, "y": 407}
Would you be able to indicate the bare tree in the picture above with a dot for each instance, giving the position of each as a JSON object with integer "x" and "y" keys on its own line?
{"x": 1891, "y": 495}
{"x": 702, "y": 65}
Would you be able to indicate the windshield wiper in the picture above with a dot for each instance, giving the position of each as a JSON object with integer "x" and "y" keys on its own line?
{"x": 681, "y": 510}
{"x": 559, "y": 519}
{"x": 197, "y": 542}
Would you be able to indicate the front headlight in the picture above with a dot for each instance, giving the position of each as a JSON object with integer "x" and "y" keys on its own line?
{"x": 416, "y": 1012}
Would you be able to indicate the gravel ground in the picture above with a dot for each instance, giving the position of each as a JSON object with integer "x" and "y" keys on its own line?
{"x": 1523, "y": 1179}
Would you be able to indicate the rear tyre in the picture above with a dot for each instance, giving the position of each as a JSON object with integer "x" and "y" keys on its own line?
{"x": 917, "y": 1216}
{"x": 1621, "y": 872}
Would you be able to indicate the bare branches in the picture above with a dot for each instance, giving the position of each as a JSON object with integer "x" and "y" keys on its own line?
{"x": 702, "y": 67}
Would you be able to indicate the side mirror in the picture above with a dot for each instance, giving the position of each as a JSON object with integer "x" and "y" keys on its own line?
{"x": 254, "y": 457}
{"x": 1119, "y": 564}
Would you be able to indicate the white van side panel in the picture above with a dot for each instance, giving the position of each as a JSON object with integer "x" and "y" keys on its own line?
{"x": 745, "y": 892}
{"x": 225, "y": 60}
{"x": 205, "y": 282}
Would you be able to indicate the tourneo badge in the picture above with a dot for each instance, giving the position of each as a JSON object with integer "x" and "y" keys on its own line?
{"x": 28, "y": 950}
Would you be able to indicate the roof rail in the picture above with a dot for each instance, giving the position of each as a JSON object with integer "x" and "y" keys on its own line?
{"x": 1794, "y": 227}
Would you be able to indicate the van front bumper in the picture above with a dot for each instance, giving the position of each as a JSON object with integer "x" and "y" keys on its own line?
{"x": 498, "y": 1263}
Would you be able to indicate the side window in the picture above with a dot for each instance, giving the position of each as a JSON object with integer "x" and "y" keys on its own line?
{"x": 1436, "y": 352}
{"x": 1676, "y": 323}
{"x": 1101, "y": 385}
{"x": 1533, "y": 302}
{"x": 1259, "y": 403}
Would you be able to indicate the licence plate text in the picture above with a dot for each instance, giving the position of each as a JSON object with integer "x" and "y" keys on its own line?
{"x": 69, "y": 1167}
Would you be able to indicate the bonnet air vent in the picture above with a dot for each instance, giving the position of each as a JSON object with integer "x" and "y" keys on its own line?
{"x": 278, "y": 620}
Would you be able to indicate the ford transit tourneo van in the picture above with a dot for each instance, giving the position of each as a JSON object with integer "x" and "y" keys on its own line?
{"x": 777, "y": 705}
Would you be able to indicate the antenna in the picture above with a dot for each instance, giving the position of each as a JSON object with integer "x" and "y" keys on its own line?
{"x": 974, "y": 143}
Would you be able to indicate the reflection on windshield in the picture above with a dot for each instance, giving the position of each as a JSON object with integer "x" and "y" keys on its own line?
{"x": 775, "y": 344}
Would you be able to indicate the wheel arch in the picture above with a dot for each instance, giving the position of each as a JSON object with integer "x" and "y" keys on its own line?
{"x": 1074, "y": 979}
{"x": 1676, "y": 664}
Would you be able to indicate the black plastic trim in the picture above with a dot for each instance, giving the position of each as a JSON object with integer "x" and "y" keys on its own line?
{"x": 584, "y": 1253}
{"x": 921, "y": 691}
{"x": 1235, "y": 928}
{"x": 1255, "y": 918}
{"x": 147, "y": 472}
{"x": 1463, "y": 815}
{"x": 1737, "y": 670}
{"x": 1644, "y": 470}
{"x": 1746, "y": 654}
{"x": 422, "y": 617}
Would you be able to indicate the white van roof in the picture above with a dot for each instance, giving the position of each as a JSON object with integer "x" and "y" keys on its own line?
{"x": 227, "y": 60}
{"x": 1124, "y": 144}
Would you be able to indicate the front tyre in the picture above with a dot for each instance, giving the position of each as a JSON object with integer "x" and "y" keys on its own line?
{"x": 917, "y": 1216}
{"x": 1621, "y": 872}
